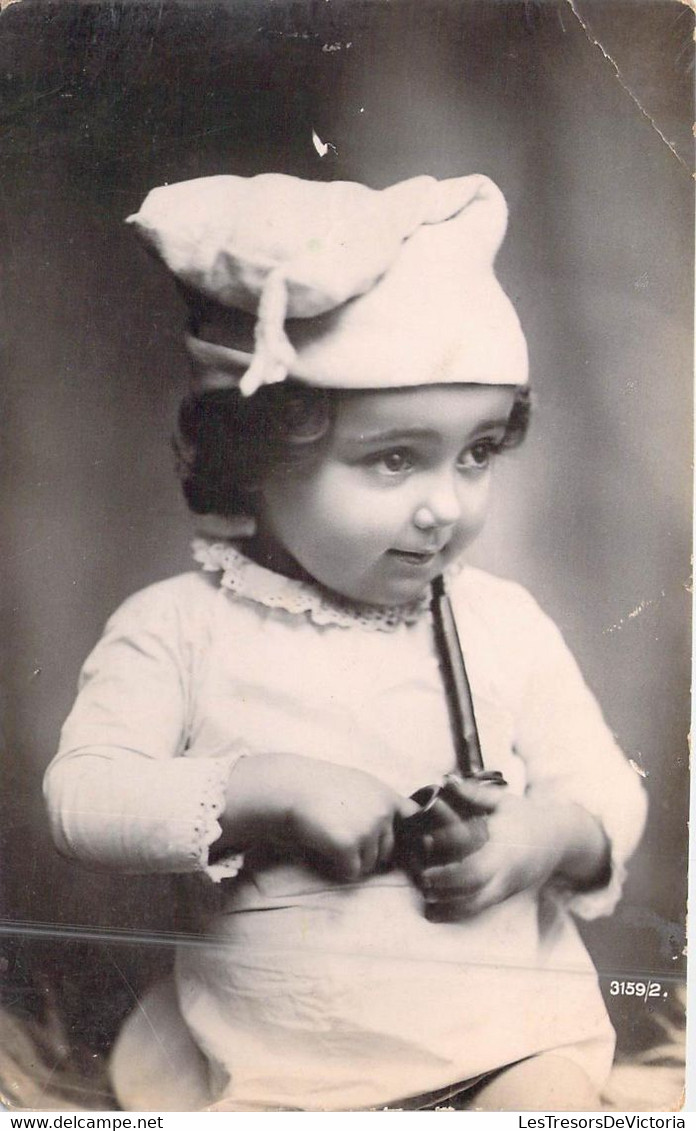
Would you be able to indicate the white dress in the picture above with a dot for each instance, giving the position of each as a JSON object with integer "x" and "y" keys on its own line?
{"x": 307, "y": 993}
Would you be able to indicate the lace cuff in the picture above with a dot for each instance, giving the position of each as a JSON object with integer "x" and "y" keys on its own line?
{"x": 114, "y": 808}
{"x": 207, "y": 828}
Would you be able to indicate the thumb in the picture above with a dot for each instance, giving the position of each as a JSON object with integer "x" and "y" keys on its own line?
{"x": 469, "y": 797}
{"x": 406, "y": 807}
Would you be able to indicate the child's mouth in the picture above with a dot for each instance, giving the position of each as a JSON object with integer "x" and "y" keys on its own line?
{"x": 412, "y": 557}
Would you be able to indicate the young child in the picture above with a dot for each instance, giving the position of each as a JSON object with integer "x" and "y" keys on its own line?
{"x": 261, "y": 725}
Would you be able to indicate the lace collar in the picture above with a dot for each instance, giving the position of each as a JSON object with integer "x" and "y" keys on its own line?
{"x": 254, "y": 582}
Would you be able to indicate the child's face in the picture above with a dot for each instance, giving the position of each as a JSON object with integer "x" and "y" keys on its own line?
{"x": 401, "y": 488}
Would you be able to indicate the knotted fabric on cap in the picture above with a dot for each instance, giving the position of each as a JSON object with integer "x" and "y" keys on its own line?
{"x": 350, "y": 287}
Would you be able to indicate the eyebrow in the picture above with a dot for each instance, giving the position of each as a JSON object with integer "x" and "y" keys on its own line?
{"x": 390, "y": 435}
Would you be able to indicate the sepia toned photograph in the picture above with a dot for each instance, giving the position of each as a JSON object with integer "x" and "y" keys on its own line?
{"x": 347, "y": 403}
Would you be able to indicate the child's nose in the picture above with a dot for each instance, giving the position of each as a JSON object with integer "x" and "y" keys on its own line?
{"x": 442, "y": 507}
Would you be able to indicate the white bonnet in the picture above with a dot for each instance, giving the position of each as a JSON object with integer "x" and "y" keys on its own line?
{"x": 347, "y": 287}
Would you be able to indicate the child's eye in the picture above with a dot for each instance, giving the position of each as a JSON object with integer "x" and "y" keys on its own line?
{"x": 394, "y": 462}
{"x": 479, "y": 455}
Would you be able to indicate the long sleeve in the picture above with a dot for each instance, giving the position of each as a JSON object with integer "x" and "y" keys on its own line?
{"x": 120, "y": 792}
{"x": 560, "y": 733}
{"x": 570, "y": 750}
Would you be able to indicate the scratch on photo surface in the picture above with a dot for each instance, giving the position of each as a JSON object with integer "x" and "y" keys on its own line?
{"x": 640, "y": 608}
{"x": 624, "y": 85}
{"x": 20, "y": 931}
{"x": 638, "y": 769}
{"x": 139, "y": 1006}
{"x": 322, "y": 147}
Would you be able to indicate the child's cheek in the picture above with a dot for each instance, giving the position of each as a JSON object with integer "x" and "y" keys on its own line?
{"x": 377, "y": 515}
{"x": 365, "y": 500}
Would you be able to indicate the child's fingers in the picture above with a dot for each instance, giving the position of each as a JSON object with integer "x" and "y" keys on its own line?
{"x": 386, "y": 848}
{"x": 454, "y": 910}
{"x": 406, "y": 807}
{"x": 466, "y": 796}
{"x": 339, "y": 855}
{"x": 449, "y": 911}
{"x": 449, "y": 908}
{"x": 377, "y": 849}
{"x": 488, "y": 896}
{"x": 455, "y": 841}
{"x": 450, "y": 880}
{"x": 369, "y": 852}
{"x": 346, "y": 864}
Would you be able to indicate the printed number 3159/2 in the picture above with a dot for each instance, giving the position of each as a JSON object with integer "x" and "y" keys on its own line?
{"x": 636, "y": 989}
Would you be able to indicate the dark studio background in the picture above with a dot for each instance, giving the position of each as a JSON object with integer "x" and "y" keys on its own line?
{"x": 99, "y": 103}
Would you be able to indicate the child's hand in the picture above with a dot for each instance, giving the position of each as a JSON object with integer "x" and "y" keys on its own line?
{"x": 340, "y": 818}
{"x": 520, "y": 843}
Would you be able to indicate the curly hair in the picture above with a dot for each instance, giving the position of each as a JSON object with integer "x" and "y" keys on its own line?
{"x": 227, "y": 445}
